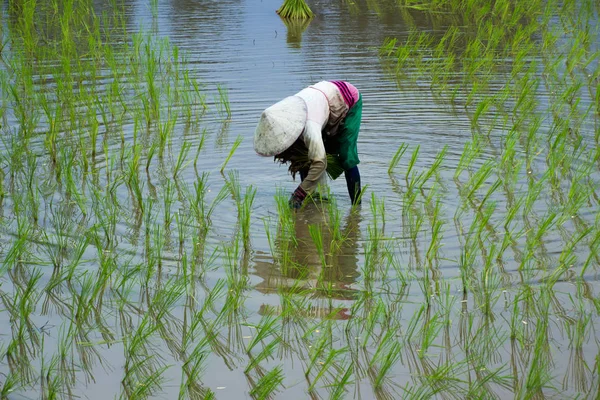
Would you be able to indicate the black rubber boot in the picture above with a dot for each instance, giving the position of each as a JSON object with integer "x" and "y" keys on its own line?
{"x": 353, "y": 183}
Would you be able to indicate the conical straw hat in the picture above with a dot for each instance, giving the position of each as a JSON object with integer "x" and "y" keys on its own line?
{"x": 279, "y": 126}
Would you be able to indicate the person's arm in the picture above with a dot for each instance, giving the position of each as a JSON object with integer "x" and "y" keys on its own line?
{"x": 318, "y": 163}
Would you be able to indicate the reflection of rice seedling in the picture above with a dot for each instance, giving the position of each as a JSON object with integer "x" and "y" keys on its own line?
{"x": 295, "y": 9}
{"x": 295, "y": 28}
{"x": 317, "y": 237}
{"x": 154, "y": 8}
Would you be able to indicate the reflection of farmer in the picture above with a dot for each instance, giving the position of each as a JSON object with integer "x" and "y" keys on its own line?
{"x": 342, "y": 262}
{"x": 307, "y": 270}
{"x": 300, "y": 128}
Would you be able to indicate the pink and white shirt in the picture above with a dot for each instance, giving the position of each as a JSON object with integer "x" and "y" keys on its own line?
{"x": 327, "y": 104}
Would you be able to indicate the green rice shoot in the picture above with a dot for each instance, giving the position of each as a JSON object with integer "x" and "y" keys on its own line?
{"x": 295, "y": 9}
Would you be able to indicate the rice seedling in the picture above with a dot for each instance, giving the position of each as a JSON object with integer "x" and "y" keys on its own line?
{"x": 154, "y": 8}
{"x": 268, "y": 384}
{"x": 295, "y": 9}
{"x": 198, "y": 149}
{"x": 223, "y": 101}
{"x": 538, "y": 376}
{"x": 10, "y": 384}
{"x": 141, "y": 376}
{"x": 244, "y": 215}
{"x": 340, "y": 383}
{"x": 185, "y": 148}
{"x": 434, "y": 169}
{"x": 411, "y": 164}
{"x": 397, "y": 156}
{"x": 267, "y": 327}
{"x": 168, "y": 201}
{"x": 192, "y": 369}
{"x": 329, "y": 361}
{"x": 436, "y": 236}
{"x": 386, "y": 355}
{"x": 136, "y": 187}
{"x": 234, "y": 147}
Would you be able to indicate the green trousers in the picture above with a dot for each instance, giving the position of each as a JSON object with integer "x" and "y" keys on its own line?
{"x": 345, "y": 143}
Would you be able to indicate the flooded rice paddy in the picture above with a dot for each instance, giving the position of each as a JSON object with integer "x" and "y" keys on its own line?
{"x": 147, "y": 252}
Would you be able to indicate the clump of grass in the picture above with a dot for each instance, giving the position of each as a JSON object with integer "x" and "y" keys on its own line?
{"x": 295, "y": 9}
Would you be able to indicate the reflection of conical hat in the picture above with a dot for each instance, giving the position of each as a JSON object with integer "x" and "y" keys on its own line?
{"x": 279, "y": 126}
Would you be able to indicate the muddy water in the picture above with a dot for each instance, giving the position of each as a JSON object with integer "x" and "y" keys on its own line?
{"x": 245, "y": 47}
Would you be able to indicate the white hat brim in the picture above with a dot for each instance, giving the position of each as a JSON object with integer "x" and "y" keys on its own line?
{"x": 280, "y": 126}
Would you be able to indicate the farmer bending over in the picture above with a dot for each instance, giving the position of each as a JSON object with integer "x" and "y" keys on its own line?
{"x": 318, "y": 122}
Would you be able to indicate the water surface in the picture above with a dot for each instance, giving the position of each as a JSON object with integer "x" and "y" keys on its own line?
{"x": 245, "y": 47}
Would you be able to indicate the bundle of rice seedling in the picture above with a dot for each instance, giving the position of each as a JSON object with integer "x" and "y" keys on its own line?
{"x": 295, "y": 9}
{"x": 297, "y": 157}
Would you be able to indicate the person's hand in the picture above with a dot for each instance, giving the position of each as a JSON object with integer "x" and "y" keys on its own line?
{"x": 295, "y": 203}
{"x": 297, "y": 198}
